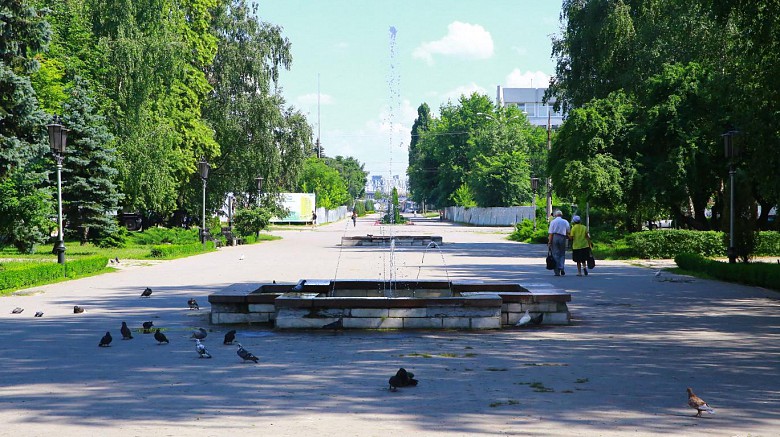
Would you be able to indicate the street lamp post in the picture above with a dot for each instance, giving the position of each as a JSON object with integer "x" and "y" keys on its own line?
{"x": 259, "y": 181}
{"x": 203, "y": 169}
{"x": 731, "y": 151}
{"x": 534, "y": 187}
{"x": 58, "y": 137}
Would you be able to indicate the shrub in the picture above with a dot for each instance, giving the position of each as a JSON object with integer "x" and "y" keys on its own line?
{"x": 159, "y": 235}
{"x": 768, "y": 243}
{"x": 524, "y": 231}
{"x": 28, "y": 274}
{"x": 668, "y": 244}
{"x": 177, "y": 250}
{"x": 758, "y": 274}
{"x": 117, "y": 239}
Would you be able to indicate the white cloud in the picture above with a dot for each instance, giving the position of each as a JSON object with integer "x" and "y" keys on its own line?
{"x": 311, "y": 100}
{"x": 529, "y": 79}
{"x": 464, "y": 40}
{"x": 467, "y": 90}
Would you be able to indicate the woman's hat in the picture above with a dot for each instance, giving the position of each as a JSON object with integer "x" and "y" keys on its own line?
{"x": 575, "y": 219}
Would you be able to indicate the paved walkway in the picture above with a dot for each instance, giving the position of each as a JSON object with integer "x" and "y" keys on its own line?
{"x": 620, "y": 369}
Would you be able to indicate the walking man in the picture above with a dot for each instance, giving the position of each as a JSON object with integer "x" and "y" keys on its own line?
{"x": 558, "y": 235}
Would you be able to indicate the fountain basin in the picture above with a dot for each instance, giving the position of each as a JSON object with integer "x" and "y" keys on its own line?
{"x": 384, "y": 240}
{"x": 364, "y": 304}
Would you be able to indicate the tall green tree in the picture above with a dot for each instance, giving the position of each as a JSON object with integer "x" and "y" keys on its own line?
{"x": 90, "y": 192}
{"x": 325, "y": 182}
{"x": 351, "y": 170}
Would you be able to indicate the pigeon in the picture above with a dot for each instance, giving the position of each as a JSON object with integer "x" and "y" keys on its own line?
{"x": 657, "y": 275}
{"x": 245, "y": 354}
{"x": 148, "y": 327}
{"x": 78, "y": 310}
{"x": 230, "y": 336}
{"x": 201, "y": 349}
{"x": 117, "y": 260}
{"x": 126, "y": 334}
{"x": 698, "y": 403}
{"x": 147, "y": 292}
{"x": 524, "y": 320}
{"x": 106, "y": 340}
{"x": 17, "y": 310}
{"x": 160, "y": 337}
{"x": 537, "y": 319}
{"x": 200, "y": 334}
{"x": 241, "y": 258}
{"x": 193, "y": 304}
{"x": 299, "y": 286}
{"x": 39, "y": 314}
{"x": 402, "y": 378}
{"x": 336, "y": 326}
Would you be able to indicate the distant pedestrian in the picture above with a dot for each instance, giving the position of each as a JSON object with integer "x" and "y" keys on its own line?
{"x": 558, "y": 236}
{"x": 580, "y": 245}
{"x": 313, "y": 219}
{"x": 354, "y": 218}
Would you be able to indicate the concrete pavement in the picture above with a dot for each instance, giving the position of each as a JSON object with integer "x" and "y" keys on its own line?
{"x": 620, "y": 369}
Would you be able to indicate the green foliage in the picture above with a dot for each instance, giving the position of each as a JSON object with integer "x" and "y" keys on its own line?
{"x": 24, "y": 212}
{"x": 351, "y": 170}
{"x": 524, "y": 232}
{"x": 369, "y": 205}
{"x": 156, "y": 236}
{"x": 180, "y": 250}
{"x": 463, "y": 197}
{"x": 251, "y": 221}
{"x": 768, "y": 243}
{"x": 758, "y": 274}
{"x": 117, "y": 239}
{"x": 326, "y": 183}
{"x": 360, "y": 208}
{"x": 668, "y": 244}
{"x": 745, "y": 231}
{"x": 28, "y": 274}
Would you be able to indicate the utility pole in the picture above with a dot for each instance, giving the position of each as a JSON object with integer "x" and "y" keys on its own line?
{"x": 319, "y": 154}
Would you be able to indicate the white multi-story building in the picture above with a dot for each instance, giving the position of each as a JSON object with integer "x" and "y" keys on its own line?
{"x": 529, "y": 100}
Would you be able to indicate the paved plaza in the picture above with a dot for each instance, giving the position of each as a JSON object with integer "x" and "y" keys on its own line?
{"x": 621, "y": 369}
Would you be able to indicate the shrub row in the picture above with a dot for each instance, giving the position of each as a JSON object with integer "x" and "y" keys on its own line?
{"x": 668, "y": 244}
{"x": 159, "y": 235}
{"x": 768, "y": 243}
{"x": 28, "y": 274}
{"x": 524, "y": 231}
{"x": 758, "y": 274}
{"x": 178, "y": 250}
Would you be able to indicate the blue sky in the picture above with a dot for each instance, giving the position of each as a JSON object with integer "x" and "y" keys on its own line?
{"x": 441, "y": 49}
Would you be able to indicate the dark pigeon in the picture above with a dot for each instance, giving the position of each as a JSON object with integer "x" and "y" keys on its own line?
{"x": 338, "y": 325}
{"x": 160, "y": 337}
{"x": 106, "y": 340}
{"x": 126, "y": 334}
{"x": 17, "y": 310}
{"x": 402, "y": 378}
{"x": 200, "y": 334}
{"x": 230, "y": 336}
{"x": 78, "y": 310}
{"x": 245, "y": 354}
{"x": 147, "y": 292}
{"x": 39, "y": 314}
{"x": 193, "y": 304}
{"x": 148, "y": 327}
{"x": 537, "y": 319}
{"x": 299, "y": 286}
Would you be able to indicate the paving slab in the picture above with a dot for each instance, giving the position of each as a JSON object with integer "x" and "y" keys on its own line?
{"x": 621, "y": 368}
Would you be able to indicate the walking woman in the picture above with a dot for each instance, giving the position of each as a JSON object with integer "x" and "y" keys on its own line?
{"x": 580, "y": 245}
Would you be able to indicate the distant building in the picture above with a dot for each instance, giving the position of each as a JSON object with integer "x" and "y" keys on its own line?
{"x": 529, "y": 100}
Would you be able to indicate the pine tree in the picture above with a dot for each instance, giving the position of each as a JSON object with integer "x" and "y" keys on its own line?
{"x": 23, "y": 202}
{"x": 90, "y": 191}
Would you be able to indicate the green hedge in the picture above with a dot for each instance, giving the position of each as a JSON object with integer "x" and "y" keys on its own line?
{"x": 159, "y": 235}
{"x": 177, "y": 250}
{"x": 768, "y": 243}
{"x": 668, "y": 244}
{"x": 27, "y": 274}
{"x": 524, "y": 231}
{"x": 758, "y": 274}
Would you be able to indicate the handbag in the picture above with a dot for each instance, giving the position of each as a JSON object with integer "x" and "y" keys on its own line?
{"x": 591, "y": 260}
{"x": 550, "y": 260}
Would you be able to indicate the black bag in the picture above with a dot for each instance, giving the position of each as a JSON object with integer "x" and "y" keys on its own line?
{"x": 591, "y": 260}
{"x": 550, "y": 260}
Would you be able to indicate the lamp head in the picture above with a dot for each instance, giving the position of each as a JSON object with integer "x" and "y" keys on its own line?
{"x": 58, "y": 136}
{"x": 203, "y": 168}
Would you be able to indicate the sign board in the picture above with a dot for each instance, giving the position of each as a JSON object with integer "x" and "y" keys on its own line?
{"x": 300, "y": 205}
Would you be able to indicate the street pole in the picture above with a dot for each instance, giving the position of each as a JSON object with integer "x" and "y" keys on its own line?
{"x": 549, "y": 179}
{"x": 732, "y": 251}
{"x": 203, "y": 216}
{"x": 60, "y": 246}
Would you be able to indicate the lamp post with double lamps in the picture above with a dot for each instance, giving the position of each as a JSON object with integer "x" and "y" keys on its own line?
{"x": 203, "y": 169}
{"x": 732, "y": 152}
{"x": 58, "y": 137}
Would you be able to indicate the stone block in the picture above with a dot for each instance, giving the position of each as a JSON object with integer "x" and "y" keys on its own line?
{"x": 422, "y": 323}
{"x": 283, "y": 322}
{"x": 485, "y": 323}
{"x": 258, "y": 317}
{"x": 407, "y": 312}
{"x": 456, "y": 323}
{"x": 541, "y": 307}
{"x": 373, "y": 323}
{"x": 231, "y": 318}
{"x": 262, "y": 308}
{"x": 370, "y": 312}
{"x": 513, "y": 307}
{"x": 458, "y": 311}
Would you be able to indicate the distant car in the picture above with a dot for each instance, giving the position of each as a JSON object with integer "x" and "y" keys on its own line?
{"x": 658, "y": 224}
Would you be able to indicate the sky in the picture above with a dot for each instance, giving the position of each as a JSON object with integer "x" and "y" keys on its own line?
{"x": 374, "y": 62}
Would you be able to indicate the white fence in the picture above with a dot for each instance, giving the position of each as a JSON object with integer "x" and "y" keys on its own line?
{"x": 505, "y": 216}
{"x": 331, "y": 215}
